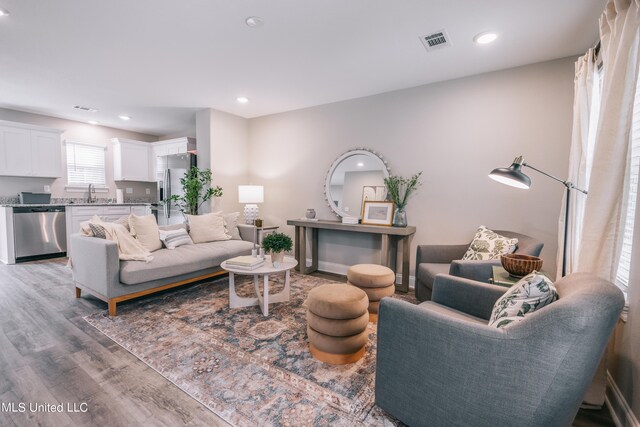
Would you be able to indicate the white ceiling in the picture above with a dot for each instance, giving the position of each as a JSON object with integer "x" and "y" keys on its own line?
{"x": 161, "y": 60}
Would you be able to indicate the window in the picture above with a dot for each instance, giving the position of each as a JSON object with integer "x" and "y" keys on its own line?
{"x": 624, "y": 265}
{"x": 85, "y": 164}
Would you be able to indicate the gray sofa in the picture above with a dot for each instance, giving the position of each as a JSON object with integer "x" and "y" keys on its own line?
{"x": 98, "y": 271}
{"x": 440, "y": 364}
{"x": 432, "y": 260}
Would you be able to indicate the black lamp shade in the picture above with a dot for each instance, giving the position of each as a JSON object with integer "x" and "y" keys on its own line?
{"x": 512, "y": 176}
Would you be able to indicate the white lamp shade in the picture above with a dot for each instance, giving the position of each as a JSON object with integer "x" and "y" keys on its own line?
{"x": 250, "y": 194}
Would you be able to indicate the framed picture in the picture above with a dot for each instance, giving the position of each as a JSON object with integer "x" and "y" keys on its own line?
{"x": 373, "y": 193}
{"x": 377, "y": 213}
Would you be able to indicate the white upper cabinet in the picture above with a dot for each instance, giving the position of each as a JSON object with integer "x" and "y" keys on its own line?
{"x": 174, "y": 146}
{"x": 132, "y": 160}
{"x": 32, "y": 151}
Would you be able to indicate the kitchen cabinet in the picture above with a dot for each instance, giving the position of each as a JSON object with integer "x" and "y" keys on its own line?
{"x": 30, "y": 151}
{"x": 76, "y": 215}
{"x": 174, "y": 146}
{"x": 133, "y": 161}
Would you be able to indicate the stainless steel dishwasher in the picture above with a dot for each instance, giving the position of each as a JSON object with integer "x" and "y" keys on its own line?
{"x": 40, "y": 232}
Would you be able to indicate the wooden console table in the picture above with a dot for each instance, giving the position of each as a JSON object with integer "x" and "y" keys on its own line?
{"x": 399, "y": 234}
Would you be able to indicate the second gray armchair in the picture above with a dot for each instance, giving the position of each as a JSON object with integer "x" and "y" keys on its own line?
{"x": 446, "y": 259}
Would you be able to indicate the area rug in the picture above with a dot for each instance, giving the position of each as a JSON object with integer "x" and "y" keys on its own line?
{"x": 246, "y": 368}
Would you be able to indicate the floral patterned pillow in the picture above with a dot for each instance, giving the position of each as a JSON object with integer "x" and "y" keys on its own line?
{"x": 488, "y": 245}
{"x": 531, "y": 293}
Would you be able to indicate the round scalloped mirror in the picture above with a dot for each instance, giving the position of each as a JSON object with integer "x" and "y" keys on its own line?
{"x": 354, "y": 177}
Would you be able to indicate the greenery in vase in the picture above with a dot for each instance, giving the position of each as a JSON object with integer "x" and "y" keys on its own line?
{"x": 197, "y": 190}
{"x": 400, "y": 188}
{"x": 277, "y": 242}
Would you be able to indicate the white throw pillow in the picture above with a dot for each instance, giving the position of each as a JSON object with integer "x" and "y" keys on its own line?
{"x": 231, "y": 224}
{"x": 174, "y": 238}
{"x": 488, "y": 245}
{"x": 207, "y": 228}
{"x": 531, "y": 293}
{"x": 145, "y": 229}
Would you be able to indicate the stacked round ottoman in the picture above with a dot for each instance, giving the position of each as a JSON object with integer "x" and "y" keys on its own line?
{"x": 337, "y": 320}
{"x": 377, "y": 281}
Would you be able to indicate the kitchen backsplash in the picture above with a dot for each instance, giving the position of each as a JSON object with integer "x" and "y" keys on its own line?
{"x": 70, "y": 200}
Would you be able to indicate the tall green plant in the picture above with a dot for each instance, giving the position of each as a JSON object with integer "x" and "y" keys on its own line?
{"x": 400, "y": 188}
{"x": 196, "y": 187}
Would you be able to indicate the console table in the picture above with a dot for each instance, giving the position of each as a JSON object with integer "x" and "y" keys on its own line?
{"x": 399, "y": 234}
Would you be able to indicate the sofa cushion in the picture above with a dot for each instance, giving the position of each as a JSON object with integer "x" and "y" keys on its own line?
{"x": 174, "y": 238}
{"x": 488, "y": 245}
{"x": 231, "y": 225}
{"x": 145, "y": 229}
{"x": 207, "y": 228}
{"x": 182, "y": 260}
{"x": 531, "y": 293}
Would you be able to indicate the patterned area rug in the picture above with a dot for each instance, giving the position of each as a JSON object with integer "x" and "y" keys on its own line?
{"x": 247, "y": 368}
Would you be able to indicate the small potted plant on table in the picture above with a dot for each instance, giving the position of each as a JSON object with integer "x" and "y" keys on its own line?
{"x": 276, "y": 244}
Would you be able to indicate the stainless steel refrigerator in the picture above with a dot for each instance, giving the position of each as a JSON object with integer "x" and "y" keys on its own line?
{"x": 169, "y": 170}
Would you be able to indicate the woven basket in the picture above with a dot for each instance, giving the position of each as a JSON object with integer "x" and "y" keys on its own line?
{"x": 520, "y": 265}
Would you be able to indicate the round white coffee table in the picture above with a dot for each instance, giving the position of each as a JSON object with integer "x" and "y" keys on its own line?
{"x": 265, "y": 270}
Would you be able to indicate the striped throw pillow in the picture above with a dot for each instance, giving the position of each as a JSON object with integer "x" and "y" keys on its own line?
{"x": 174, "y": 238}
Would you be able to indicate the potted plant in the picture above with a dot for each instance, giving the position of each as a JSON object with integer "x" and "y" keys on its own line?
{"x": 399, "y": 189}
{"x": 276, "y": 244}
{"x": 196, "y": 190}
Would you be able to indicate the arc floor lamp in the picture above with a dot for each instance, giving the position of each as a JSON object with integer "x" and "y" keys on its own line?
{"x": 514, "y": 177}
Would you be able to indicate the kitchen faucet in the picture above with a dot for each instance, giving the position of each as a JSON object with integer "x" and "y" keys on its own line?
{"x": 90, "y": 198}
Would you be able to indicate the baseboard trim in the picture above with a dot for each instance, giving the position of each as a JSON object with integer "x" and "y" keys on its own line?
{"x": 621, "y": 412}
{"x": 335, "y": 268}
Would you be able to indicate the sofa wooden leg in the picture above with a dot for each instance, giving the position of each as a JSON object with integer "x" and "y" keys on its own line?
{"x": 112, "y": 308}
{"x": 78, "y": 292}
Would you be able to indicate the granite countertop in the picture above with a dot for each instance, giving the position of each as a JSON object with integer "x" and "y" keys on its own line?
{"x": 18, "y": 205}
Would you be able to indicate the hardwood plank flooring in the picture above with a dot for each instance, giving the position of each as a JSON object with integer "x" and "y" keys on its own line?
{"x": 49, "y": 354}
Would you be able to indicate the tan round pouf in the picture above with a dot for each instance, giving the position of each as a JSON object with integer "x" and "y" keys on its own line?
{"x": 377, "y": 281}
{"x": 337, "y": 319}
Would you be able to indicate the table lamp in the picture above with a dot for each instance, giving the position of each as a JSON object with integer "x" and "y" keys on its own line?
{"x": 250, "y": 195}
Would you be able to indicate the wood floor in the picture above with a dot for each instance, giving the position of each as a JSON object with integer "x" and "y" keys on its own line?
{"x": 50, "y": 355}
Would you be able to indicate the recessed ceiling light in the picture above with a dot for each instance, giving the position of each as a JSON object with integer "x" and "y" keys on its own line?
{"x": 360, "y": 164}
{"x": 242, "y": 99}
{"x": 254, "y": 21}
{"x": 93, "y": 122}
{"x": 4, "y": 12}
{"x": 125, "y": 118}
{"x": 485, "y": 38}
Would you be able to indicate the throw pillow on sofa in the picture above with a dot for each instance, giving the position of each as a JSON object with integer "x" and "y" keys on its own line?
{"x": 488, "y": 245}
{"x": 231, "y": 224}
{"x": 207, "y": 228}
{"x": 531, "y": 293}
{"x": 145, "y": 229}
{"x": 174, "y": 238}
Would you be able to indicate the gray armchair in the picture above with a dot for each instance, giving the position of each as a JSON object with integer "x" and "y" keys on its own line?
{"x": 446, "y": 259}
{"x": 440, "y": 364}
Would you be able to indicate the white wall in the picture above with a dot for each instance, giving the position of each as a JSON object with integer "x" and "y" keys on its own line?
{"x": 223, "y": 146}
{"x": 455, "y": 132}
{"x": 74, "y": 131}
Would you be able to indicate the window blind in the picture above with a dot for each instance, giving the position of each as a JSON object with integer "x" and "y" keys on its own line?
{"x": 85, "y": 164}
{"x": 624, "y": 265}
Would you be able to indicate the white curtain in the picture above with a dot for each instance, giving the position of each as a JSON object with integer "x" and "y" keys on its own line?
{"x": 604, "y": 213}
{"x": 586, "y": 93}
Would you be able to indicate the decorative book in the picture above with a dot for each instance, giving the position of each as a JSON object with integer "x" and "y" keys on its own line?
{"x": 245, "y": 261}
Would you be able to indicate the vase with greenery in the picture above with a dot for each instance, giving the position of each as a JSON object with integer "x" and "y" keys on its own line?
{"x": 276, "y": 244}
{"x": 400, "y": 189}
{"x": 197, "y": 189}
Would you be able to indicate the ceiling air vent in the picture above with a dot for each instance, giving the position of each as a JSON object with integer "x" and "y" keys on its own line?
{"x": 436, "y": 40}
{"x": 88, "y": 109}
